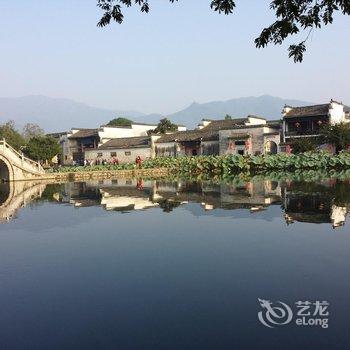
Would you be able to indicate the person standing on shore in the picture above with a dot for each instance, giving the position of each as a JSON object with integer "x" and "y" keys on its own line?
{"x": 138, "y": 161}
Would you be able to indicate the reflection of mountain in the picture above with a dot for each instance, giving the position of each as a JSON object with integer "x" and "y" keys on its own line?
{"x": 323, "y": 202}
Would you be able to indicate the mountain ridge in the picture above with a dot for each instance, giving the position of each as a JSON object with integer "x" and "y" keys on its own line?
{"x": 60, "y": 114}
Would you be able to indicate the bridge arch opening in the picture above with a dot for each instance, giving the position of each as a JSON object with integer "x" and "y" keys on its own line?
{"x": 4, "y": 172}
{"x": 4, "y": 193}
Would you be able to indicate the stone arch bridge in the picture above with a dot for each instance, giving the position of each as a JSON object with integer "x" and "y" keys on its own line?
{"x": 15, "y": 166}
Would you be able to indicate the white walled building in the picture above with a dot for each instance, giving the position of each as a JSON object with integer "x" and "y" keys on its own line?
{"x": 78, "y": 141}
{"x": 306, "y": 121}
{"x": 250, "y": 135}
{"x": 125, "y": 150}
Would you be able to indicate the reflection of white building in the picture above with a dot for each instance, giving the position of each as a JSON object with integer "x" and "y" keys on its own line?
{"x": 255, "y": 195}
{"x": 338, "y": 216}
{"x": 113, "y": 200}
{"x": 313, "y": 207}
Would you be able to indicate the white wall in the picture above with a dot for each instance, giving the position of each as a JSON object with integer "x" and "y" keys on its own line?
{"x": 115, "y": 202}
{"x": 203, "y": 124}
{"x": 141, "y": 130}
{"x": 144, "y": 153}
{"x": 336, "y": 112}
{"x": 107, "y": 133}
{"x": 255, "y": 121}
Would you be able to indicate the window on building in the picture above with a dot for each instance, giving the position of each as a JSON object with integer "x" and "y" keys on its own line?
{"x": 240, "y": 143}
{"x": 113, "y": 154}
{"x": 127, "y": 153}
{"x": 241, "y": 152}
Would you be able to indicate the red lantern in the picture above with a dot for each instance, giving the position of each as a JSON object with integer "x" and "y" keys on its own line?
{"x": 331, "y": 148}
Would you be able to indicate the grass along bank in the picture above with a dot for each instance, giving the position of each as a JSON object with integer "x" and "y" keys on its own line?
{"x": 230, "y": 164}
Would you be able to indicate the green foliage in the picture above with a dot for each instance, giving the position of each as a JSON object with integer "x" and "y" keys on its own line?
{"x": 107, "y": 167}
{"x": 304, "y": 144}
{"x": 120, "y": 122}
{"x": 42, "y": 148}
{"x": 228, "y": 117}
{"x": 337, "y": 135}
{"x": 292, "y": 17}
{"x": 234, "y": 164}
{"x": 226, "y": 166}
{"x": 11, "y": 135}
{"x": 164, "y": 125}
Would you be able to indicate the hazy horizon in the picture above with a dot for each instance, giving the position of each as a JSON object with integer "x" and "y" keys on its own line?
{"x": 154, "y": 112}
{"x": 163, "y": 61}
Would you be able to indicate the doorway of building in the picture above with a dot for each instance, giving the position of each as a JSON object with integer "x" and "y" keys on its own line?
{"x": 271, "y": 147}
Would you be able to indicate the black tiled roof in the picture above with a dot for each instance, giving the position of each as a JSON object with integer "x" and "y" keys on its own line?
{"x": 190, "y": 135}
{"x": 225, "y": 124}
{"x": 209, "y": 132}
{"x": 308, "y": 111}
{"x": 84, "y": 133}
{"x": 275, "y": 124}
{"x": 127, "y": 142}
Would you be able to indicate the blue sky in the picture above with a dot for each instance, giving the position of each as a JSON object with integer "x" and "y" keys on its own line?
{"x": 163, "y": 61}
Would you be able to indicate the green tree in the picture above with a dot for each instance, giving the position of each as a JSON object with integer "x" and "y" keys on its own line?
{"x": 11, "y": 135}
{"x": 292, "y": 17}
{"x": 337, "y": 135}
{"x": 120, "y": 122}
{"x": 164, "y": 125}
{"x": 304, "y": 144}
{"x": 31, "y": 130}
{"x": 42, "y": 148}
{"x": 228, "y": 117}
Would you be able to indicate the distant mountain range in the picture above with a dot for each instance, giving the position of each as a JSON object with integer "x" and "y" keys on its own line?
{"x": 58, "y": 114}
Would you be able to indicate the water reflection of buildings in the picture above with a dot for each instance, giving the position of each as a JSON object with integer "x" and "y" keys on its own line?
{"x": 123, "y": 195}
{"x": 119, "y": 195}
{"x": 300, "y": 202}
{"x": 251, "y": 195}
{"x": 316, "y": 205}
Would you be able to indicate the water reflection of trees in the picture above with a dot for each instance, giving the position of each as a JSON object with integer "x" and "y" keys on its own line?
{"x": 325, "y": 201}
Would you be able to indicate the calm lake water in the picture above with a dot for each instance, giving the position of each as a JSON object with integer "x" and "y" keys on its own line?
{"x": 133, "y": 264}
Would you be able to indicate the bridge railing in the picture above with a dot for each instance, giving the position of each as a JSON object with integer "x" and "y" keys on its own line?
{"x": 21, "y": 157}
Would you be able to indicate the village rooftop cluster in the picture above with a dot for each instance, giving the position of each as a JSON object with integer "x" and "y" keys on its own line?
{"x": 252, "y": 135}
